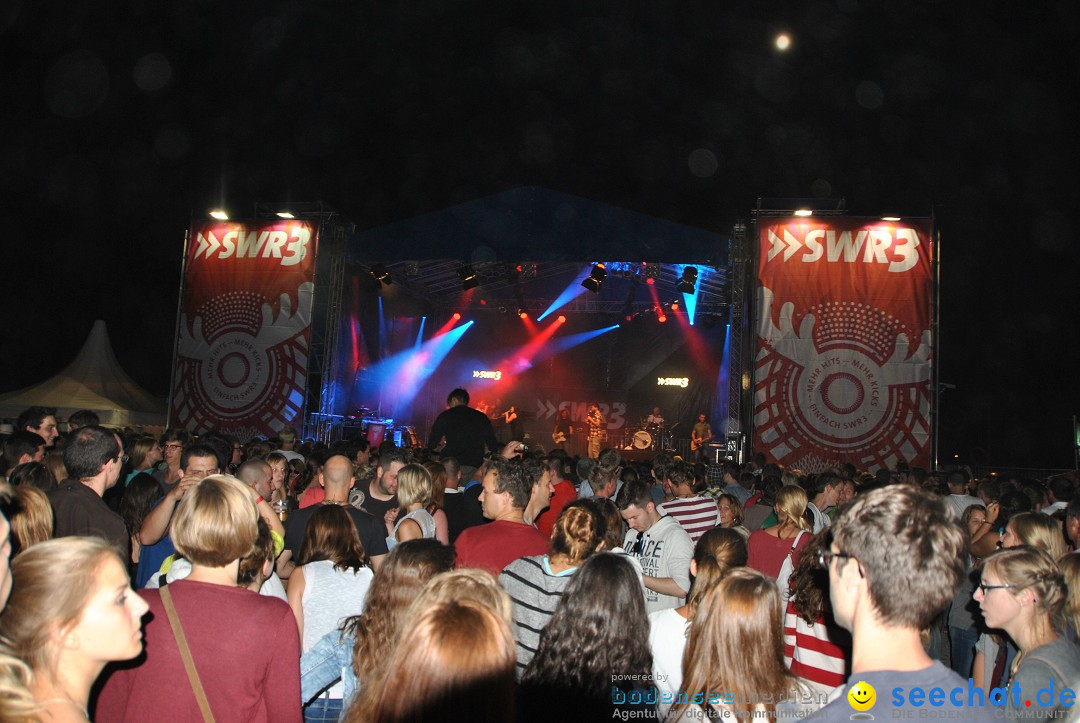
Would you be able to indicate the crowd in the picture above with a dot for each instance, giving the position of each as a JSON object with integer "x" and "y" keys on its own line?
{"x": 185, "y": 578}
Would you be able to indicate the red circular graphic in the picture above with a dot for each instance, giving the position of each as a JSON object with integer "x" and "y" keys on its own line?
{"x": 832, "y": 394}
{"x": 233, "y": 370}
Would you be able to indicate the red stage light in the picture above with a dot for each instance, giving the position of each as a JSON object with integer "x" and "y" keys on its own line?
{"x": 457, "y": 316}
{"x": 662, "y": 318}
{"x": 561, "y": 319}
{"x": 483, "y": 302}
{"x": 674, "y": 306}
{"x": 650, "y": 281}
{"x": 523, "y": 315}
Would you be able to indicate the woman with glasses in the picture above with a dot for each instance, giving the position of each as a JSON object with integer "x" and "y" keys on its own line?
{"x": 172, "y": 445}
{"x": 992, "y": 653}
{"x": 1023, "y": 593}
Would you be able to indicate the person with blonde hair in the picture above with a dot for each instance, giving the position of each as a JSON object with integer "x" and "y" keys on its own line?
{"x": 454, "y": 661}
{"x": 438, "y": 495}
{"x": 1025, "y": 528}
{"x": 469, "y": 583}
{"x": 71, "y": 612}
{"x": 1023, "y": 593}
{"x": 245, "y": 647}
{"x": 717, "y": 552}
{"x": 411, "y": 520}
{"x": 1037, "y": 530}
{"x": 776, "y": 549}
{"x": 32, "y": 522}
{"x": 536, "y": 583}
{"x": 741, "y": 613}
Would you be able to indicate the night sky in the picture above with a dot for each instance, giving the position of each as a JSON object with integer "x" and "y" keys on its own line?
{"x": 120, "y": 123}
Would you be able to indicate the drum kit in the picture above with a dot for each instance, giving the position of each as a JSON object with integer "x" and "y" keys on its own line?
{"x": 648, "y": 435}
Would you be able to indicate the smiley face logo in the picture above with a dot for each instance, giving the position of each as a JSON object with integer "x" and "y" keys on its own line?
{"x": 862, "y": 696}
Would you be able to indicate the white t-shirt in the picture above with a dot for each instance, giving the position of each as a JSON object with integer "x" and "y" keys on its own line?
{"x": 667, "y": 638}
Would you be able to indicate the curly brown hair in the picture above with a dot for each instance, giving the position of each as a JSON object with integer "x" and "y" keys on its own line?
{"x": 406, "y": 569}
{"x": 809, "y": 582}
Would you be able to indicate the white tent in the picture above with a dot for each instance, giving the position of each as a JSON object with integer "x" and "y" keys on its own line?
{"x": 94, "y": 381}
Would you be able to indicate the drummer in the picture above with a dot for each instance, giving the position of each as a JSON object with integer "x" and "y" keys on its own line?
{"x": 656, "y": 419}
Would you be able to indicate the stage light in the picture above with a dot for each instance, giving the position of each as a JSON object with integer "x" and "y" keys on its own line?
{"x": 468, "y": 277}
{"x": 675, "y": 306}
{"x": 380, "y": 273}
{"x": 662, "y": 317}
{"x": 219, "y": 214}
{"x": 457, "y": 316}
{"x": 595, "y": 279}
{"x": 688, "y": 281}
{"x": 561, "y": 319}
{"x": 523, "y": 314}
{"x": 285, "y": 214}
{"x": 783, "y": 41}
{"x": 804, "y": 212}
{"x": 890, "y": 218}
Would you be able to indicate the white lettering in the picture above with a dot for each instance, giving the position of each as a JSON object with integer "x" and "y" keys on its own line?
{"x": 868, "y": 245}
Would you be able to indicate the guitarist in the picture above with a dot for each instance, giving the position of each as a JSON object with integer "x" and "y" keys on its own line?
{"x": 699, "y": 435}
{"x": 563, "y": 429}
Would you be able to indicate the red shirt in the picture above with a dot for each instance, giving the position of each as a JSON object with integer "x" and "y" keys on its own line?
{"x": 765, "y": 553}
{"x": 246, "y": 648}
{"x": 564, "y": 495}
{"x": 495, "y": 545}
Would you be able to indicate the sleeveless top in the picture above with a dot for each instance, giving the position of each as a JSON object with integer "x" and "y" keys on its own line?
{"x": 331, "y": 595}
{"x": 421, "y": 517}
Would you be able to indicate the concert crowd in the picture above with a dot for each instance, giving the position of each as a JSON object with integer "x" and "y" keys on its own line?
{"x": 194, "y": 578}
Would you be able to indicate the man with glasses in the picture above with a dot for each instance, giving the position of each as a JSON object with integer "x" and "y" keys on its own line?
{"x": 896, "y": 560}
{"x": 93, "y": 458}
{"x": 196, "y": 462}
{"x": 172, "y": 443}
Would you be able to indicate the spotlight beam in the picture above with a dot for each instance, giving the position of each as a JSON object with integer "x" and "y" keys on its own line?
{"x": 570, "y": 293}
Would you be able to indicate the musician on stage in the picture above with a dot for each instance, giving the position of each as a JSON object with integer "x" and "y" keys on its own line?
{"x": 655, "y": 418}
{"x": 699, "y": 435}
{"x": 513, "y": 420}
{"x": 597, "y": 430}
{"x": 561, "y": 435}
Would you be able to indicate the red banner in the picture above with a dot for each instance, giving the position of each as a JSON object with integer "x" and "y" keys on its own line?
{"x": 245, "y": 326}
{"x": 843, "y": 354}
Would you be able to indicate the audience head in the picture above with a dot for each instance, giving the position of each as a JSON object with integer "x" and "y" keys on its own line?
{"x": 1032, "y": 595}
{"x": 729, "y": 509}
{"x": 22, "y": 446}
{"x": 331, "y": 535}
{"x": 256, "y": 566}
{"x": 739, "y": 614}
{"x": 393, "y": 589}
{"x": 1035, "y": 529}
{"x": 172, "y": 443}
{"x": 456, "y": 661}
{"x": 92, "y": 451}
{"x": 577, "y": 533}
{"x": 506, "y": 488}
{"x": 901, "y": 547}
{"x": 637, "y": 507}
{"x": 33, "y": 474}
{"x": 414, "y": 486}
{"x": 216, "y": 522}
{"x": 89, "y": 614}
{"x": 32, "y": 522}
{"x": 456, "y": 397}
{"x": 581, "y": 649}
{"x": 790, "y": 506}
{"x": 41, "y": 421}
{"x": 716, "y": 553}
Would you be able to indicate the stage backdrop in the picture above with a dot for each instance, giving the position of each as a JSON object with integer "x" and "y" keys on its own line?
{"x": 843, "y": 353}
{"x": 245, "y": 327}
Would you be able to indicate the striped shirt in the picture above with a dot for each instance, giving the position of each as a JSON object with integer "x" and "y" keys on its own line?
{"x": 812, "y": 654}
{"x": 535, "y": 591}
{"x": 697, "y": 515}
